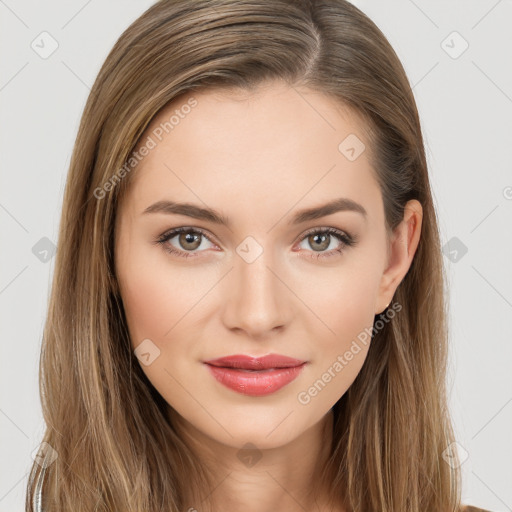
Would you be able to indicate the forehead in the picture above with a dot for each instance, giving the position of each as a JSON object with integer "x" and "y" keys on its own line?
{"x": 274, "y": 145}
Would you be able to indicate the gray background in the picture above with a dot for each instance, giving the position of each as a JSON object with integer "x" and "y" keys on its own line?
{"x": 465, "y": 104}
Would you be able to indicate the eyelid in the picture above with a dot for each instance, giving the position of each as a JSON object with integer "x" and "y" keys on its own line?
{"x": 171, "y": 233}
{"x": 345, "y": 238}
{"x": 321, "y": 229}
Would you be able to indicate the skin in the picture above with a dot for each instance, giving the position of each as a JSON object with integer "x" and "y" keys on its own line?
{"x": 257, "y": 158}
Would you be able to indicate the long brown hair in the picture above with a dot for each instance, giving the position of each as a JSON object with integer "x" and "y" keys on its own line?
{"x": 116, "y": 449}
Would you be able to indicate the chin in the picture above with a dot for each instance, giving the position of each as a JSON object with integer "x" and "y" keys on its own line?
{"x": 245, "y": 438}
{"x": 264, "y": 427}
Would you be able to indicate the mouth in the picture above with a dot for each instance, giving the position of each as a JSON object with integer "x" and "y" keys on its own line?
{"x": 254, "y": 376}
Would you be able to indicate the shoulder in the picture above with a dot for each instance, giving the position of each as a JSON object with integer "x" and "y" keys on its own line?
{"x": 469, "y": 508}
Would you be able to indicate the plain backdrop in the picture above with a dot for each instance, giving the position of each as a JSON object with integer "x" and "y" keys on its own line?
{"x": 458, "y": 56}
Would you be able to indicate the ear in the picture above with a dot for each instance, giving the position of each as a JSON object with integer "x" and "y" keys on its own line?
{"x": 402, "y": 247}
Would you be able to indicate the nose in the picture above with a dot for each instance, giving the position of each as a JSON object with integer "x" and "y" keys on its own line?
{"x": 258, "y": 300}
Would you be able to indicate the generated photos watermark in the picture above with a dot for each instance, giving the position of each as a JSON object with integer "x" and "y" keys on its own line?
{"x": 152, "y": 140}
{"x": 363, "y": 338}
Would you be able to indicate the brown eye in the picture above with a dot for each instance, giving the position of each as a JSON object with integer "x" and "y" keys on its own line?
{"x": 187, "y": 244}
{"x": 319, "y": 241}
{"x": 189, "y": 240}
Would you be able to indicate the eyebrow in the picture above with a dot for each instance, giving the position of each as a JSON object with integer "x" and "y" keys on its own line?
{"x": 342, "y": 204}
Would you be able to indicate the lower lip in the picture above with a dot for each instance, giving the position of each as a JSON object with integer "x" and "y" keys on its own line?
{"x": 255, "y": 383}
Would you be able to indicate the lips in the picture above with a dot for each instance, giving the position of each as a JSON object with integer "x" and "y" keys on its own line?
{"x": 255, "y": 376}
{"x": 244, "y": 362}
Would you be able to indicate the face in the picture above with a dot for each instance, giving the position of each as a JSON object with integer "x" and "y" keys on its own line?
{"x": 259, "y": 276}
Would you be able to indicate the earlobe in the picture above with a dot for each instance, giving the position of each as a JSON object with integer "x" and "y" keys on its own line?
{"x": 403, "y": 247}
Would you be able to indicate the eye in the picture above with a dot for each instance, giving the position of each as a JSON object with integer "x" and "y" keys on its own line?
{"x": 321, "y": 239}
{"x": 190, "y": 241}
{"x": 188, "y": 238}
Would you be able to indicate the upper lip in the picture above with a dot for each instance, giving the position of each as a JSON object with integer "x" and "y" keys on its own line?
{"x": 245, "y": 362}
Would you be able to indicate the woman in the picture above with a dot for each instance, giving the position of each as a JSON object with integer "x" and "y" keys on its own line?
{"x": 248, "y": 308}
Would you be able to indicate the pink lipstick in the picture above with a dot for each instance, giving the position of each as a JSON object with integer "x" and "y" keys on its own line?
{"x": 255, "y": 376}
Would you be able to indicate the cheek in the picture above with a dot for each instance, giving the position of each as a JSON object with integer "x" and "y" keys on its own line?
{"x": 157, "y": 302}
{"x": 354, "y": 307}
{"x": 338, "y": 356}
{"x": 339, "y": 302}
{"x": 344, "y": 304}
{"x": 148, "y": 311}
{"x": 158, "y": 296}
{"x": 149, "y": 295}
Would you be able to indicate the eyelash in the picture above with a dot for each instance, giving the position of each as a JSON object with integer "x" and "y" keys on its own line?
{"x": 346, "y": 240}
